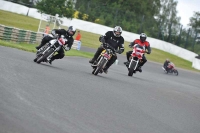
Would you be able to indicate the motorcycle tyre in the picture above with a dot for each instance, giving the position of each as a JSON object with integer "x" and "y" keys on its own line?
{"x": 176, "y": 72}
{"x": 44, "y": 56}
{"x": 131, "y": 69}
{"x": 99, "y": 67}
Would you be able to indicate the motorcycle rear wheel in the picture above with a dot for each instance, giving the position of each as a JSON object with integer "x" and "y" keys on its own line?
{"x": 176, "y": 72}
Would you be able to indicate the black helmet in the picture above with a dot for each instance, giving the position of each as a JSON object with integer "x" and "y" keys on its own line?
{"x": 117, "y": 31}
{"x": 143, "y": 37}
{"x": 71, "y": 30}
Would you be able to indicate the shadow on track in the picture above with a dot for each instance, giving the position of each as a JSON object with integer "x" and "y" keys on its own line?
{"x": 51, "y": 66}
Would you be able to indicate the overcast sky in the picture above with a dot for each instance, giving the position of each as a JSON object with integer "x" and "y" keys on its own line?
{"x": 186, "y": 10}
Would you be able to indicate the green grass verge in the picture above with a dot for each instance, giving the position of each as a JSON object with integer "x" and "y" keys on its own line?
{"x": 88, "y": 40}
{"x": 31, "y": 48}
{"x": 160, "y": 56}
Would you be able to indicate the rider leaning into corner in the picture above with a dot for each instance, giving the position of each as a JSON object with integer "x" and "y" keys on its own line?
{"x": 69, "y": 33}
{"x": 114, "y": 39}
{"x": 142, "y": 42}
{"x": 165, "y": 65}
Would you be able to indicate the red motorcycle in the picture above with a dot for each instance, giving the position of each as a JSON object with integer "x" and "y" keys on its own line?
{"x": 135, "y": 59}
{"x": 171, "y": 69}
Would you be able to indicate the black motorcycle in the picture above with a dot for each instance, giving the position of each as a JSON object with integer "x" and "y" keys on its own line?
{"x": 103, "y": 59}
{"x": 45, "y": 53}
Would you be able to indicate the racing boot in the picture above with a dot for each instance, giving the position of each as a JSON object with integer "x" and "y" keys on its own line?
{"x": 92, "y": 61}
{"x": 50, "y": 60}
{"x": 105, "y": 70}
{"x": 96, "y": 55}
{"x": 139, "y": 68}
{"x": 126, "y": 63}
{"x": 38, "y": 47}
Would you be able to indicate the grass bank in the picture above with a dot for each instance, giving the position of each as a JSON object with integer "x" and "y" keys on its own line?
{"x": 31, "y": 48}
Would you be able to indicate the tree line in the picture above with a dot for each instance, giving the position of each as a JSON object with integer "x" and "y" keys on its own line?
{"x": 157, "y": 18}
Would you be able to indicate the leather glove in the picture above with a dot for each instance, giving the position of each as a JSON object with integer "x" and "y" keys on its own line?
{"x": 56, "y": 36}
{"x": 148, "y": 52}
{"x": 105, "y": 45}
{"x": 130, "y": 45}
{"x": 67, "y": 48}
{"x": 119, "y": 51}
{"x": 53, "y": 32}
{"x": 100, "y": 38}
{"x": 103, "y": 40}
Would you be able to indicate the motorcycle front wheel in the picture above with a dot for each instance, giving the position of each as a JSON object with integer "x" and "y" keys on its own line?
{"x": 43, "y": 57}
{"x": 99, "y": 67}
{"x": 131, "y": 69}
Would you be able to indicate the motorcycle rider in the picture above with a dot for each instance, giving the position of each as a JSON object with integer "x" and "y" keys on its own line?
{"x": 69, "y": 33}
{"x": 165, "y": 65}
{"x": 115, "y": 40}
{"x": 145, "y": 44}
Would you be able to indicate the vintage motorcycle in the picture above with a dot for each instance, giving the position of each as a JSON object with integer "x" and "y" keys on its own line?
{"x": 45, "y": 53}
{"x": 135, "y": 59}
{"x": 172, "y": 69}
{"x": 103, "y": 59}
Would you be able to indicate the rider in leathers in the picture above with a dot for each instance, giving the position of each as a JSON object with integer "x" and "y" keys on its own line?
{"x": 114, "y": 39}
{"x": 57, "y": 33}
{"x": 145, "y": 44}
{"x": 165, "y": 65}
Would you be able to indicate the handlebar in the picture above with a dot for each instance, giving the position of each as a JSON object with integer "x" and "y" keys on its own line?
{"x": 110, "y": 47}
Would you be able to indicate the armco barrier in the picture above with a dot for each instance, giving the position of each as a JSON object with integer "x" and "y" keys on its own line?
{"x": 19, "y": 35}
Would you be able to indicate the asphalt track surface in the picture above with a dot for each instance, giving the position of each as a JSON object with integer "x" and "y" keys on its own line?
{"x": 66, "y": 98}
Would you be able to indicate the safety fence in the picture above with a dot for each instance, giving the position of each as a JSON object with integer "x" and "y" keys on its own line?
{"x": 19, "y": 35}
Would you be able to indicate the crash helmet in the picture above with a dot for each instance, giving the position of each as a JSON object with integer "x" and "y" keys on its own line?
{"x": 71, "y": 30}
{"x": 117, "y": 31}
{"x": 143, "y": 37}
{"x": 167, "y": 60}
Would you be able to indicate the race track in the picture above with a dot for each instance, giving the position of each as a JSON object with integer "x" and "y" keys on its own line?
{"x": 66, "y": 98}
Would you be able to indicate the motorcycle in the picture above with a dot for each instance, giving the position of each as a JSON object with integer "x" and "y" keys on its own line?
{"x": 135, "y": 59}
{"x": 45, "y": 53}
{"x": 172, "y": 69}
{"x": 103, "y": 59}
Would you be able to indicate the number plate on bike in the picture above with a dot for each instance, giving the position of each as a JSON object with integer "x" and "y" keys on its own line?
{"x": 106, "y": 55}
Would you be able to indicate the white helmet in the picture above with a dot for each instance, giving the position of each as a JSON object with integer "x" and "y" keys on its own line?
{"x": 117, "y": 31}
{"x": 71, "y": 30}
